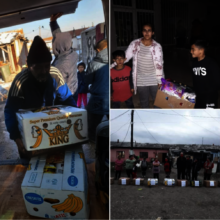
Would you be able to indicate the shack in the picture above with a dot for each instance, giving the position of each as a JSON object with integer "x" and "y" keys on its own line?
{"x": 13, "y": 49}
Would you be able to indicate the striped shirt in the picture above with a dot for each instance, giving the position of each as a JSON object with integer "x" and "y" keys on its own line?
{"x": 146, "y": 72}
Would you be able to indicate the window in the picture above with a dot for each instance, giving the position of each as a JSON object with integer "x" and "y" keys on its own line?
{"x": 120, "y": 153}
{"x": 143, "y": 154}
{"x": 143, "y": 18}
{"x": 123, "y": 2}
{"x": 124, "y": 28}
{"x": 146, "y": 4}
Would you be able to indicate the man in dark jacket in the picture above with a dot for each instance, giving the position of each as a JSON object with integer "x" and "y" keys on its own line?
{"x": 98, "y": 75}
{"x": 36, "y": 86}
{"x": 196, "y": 166}
{"x": 66, "y": 58}
{"x": 181, "y": 166}
{"x": 188, "y": 167}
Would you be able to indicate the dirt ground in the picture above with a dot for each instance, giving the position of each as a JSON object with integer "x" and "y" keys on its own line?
{"x": 143, "y": 202}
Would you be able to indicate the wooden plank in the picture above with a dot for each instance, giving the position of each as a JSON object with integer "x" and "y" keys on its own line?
{"x": 12, "y": 205}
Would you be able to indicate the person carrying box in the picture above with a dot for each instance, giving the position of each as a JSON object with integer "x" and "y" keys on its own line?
{"x": 36, "y": 86}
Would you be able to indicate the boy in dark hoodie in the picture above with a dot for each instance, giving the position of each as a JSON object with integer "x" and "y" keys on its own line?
{"x": 82, "y": 86}
{"x": 206, "y": 77}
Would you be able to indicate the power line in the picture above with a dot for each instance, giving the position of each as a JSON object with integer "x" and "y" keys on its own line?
{"x": 120, "y": 127}
{"x": 119, "y": 115}
{"x": 126, "y": 134}
{"x": 147, "y": 129}
{"x": 181, "y": 115}
{"x": 197, "y": 124}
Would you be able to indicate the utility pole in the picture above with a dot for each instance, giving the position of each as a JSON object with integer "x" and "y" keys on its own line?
{"x": 202, "y": 141}
{"x": 132, "y": 124}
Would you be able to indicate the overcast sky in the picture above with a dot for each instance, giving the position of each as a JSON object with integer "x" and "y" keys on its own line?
{"x": 88, "y": 12}
{"x": 167, "y": 126}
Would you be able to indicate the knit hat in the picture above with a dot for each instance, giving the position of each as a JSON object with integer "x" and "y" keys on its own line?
{"x": 39, "y": 53}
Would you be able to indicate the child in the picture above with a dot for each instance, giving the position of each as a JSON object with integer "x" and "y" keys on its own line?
{"x": 156, "y": 168}
{"x": 121, "y": 81}
{"x": 134, "y": 170}
{"x": 206, "y": 77}
{"x": 167, "y": 167}
{"x": 82, "y": 86}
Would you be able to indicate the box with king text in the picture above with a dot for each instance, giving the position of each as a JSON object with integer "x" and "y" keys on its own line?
{"x": 51, "y": 127}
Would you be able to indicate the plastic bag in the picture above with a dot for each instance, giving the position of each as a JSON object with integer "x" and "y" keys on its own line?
{"x": 172, "y": 89}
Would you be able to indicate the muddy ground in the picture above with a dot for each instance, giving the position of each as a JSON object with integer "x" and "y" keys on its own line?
{"x": 142, "y": 202}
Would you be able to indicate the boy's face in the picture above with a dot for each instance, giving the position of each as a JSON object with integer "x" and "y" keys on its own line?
{"x": 81, "y": 69}
{"x": 147, "y": 32}
{"x": 196, "y": 52}
{"x": 119, "y": 60}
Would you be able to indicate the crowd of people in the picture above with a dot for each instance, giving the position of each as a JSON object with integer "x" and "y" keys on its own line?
{"x": 145, "y": 77}
{"x": 45, "y": 84}
{"x": 186, "y": 167}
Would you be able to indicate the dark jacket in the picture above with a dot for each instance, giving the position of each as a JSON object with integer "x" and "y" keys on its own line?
{"x": 82, "y": 86}
{"x": 66, "y": 58}
{"x": 97, "y": 74}
{"x": 196, "y": 167}
{"x": 26, "y": 93}
{"x": 181, "y": 163}
{"x": 189, "y": 164}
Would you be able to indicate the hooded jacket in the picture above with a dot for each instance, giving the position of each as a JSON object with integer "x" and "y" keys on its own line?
{"x": 66, "y": 58}
{"x": 97, "y": 74}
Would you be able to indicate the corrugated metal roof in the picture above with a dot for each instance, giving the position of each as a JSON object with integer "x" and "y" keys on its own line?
{"x": 186, "y": 147}
{"x": 7, "y": 38}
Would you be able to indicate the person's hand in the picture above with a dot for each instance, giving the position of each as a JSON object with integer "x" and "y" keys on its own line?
{"x": 132, "y": 90}
{"x": 55, "y": 16}
{"x": 159, "y": 86}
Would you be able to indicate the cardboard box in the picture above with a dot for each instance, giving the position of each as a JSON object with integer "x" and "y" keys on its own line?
{"x": 182, "y": 183}
{"x": 169, "y": 182}
{"x": 52, "y": 127}
{"x": 163, "y": 100}
{"x": 210, "y": 183}
{"x": 196, "y": 183}
{"x": 138, "y": 181}
{"x": 152, "y": 182}
{"x": 112, "y": 180}
{"x": 58, "y": 196}
{"x": 124, "y": 181}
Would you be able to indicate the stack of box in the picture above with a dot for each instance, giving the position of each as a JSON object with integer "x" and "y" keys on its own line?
{"x": 124, "y": 181}
{"x": 169, "y": 182}
{"x": 210, "y": 183}
{"x": 56, "y": 185}
{"x": 182, "y": 183}
{"x": 51, "y": 193}
{"x": 152, "y": 182}
{"x": 138, "y": 181}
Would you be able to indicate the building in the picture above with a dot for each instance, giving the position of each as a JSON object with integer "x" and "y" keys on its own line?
{"x": 169, "y": 17}
{"x": 162, "y": 150}
{"x": 13, "y": 49}
{"x": 89, "y": 38}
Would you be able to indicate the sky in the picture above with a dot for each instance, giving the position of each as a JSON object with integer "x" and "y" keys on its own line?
{"x": 88, "y": 12}
{"x": 167, "y": 126}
